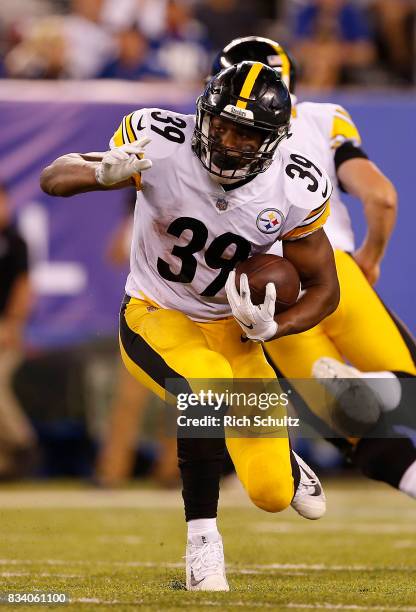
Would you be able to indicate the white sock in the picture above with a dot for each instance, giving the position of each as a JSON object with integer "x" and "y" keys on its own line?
{"x": 407, "y": 483}
{"x": 386, "y": 386}
{"x": 199, "y": 526}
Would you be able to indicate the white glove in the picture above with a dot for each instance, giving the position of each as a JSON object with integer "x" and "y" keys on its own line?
{"x": 121, "y": 163}
{"x": 257, "y": 322}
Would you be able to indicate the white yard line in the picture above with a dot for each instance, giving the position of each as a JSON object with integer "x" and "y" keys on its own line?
{"x": 322, "y": 567}
{"x": 247, "y": 604}
{"x": 103, "y": 602}
{"x": 328, "y": 606}
{"x": 120, "y": 539}
{"x": 385, "y": 502}
{"x": 293, "y": 605}
{"x": 331, "y": 526}
{"x": 43, "y": 574}
{"x": 252, "y": 604}
{"x": 100, "y": 539}
{"x": 90, "y": 498}
{"x": 248, "y": 568}
{"x": 404, "y": 544}
{"x": 249, "y": 572}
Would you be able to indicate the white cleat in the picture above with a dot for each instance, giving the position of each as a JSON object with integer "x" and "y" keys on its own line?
{"x": 309, "y": 500}
{"x": 356, "y": 408}
{"x": 205, "y": 568}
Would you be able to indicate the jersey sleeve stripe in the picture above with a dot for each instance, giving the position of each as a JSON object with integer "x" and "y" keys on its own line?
{"x": 341, "y": 110}
{"x": 343, "y": 129}
{"x": 306, "y": 228}
{"x": 125, "y": 132}
{"x": 125, "y": 137}
{"x": 118, "y": 136}
{"x": 345, "y": 118}
{"x": 129, "y": 128}
{"x": 315, "y": 211}
{"x": 249, "y": 84}
{"x": 311, "y": 220}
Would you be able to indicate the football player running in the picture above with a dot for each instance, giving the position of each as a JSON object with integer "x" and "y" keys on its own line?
{"x": 213, "y": 189}
{"x": 361, "y": 328}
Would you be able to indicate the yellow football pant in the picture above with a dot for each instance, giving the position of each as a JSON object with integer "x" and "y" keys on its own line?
{"x": 360, "y": 331}
{"x": 159, "y": 344}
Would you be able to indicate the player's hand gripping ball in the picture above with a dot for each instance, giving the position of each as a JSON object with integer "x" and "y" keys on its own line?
{"x": 257, "y": 322}
{"x": 263, "y": 269}
{"x": 259, "y": 288}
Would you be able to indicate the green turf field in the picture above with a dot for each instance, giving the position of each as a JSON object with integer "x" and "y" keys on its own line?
{"x": 123, "y": 550}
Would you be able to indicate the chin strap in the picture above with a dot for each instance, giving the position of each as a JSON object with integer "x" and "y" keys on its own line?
{"x": 222, "y": 180}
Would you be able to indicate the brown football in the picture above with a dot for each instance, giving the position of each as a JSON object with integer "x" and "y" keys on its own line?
{"x": 263, "y": 269}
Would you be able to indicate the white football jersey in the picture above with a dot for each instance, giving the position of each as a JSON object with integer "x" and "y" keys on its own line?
{"x": 318, "y": 129}
{"x": 189, "y": 232}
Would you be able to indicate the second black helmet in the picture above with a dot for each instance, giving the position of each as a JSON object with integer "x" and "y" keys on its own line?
{"x": 258, "y": 49}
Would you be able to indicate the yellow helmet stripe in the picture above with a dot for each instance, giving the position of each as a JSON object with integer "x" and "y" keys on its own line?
{"x": 285, "y": 64}
{"x": 249, "y": 84}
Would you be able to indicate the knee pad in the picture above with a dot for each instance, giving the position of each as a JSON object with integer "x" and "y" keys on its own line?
{"x": 273, "y": 498}
{"x": 269, "y": 481}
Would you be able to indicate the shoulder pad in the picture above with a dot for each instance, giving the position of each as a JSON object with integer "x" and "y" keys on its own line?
{"x": 318, "y": 108}
{"x": 333, "y": 120}
{"x": 306, "y": 184}
{"x": 166, "y": 129}
{"x": 320, "y": 113}
{"x": 343, "y": 128}
{"x": 131, "y": 128}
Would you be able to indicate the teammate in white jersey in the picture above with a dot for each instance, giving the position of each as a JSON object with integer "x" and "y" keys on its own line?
{"x": 361, "y": 330}
{"x": 213, "y": 189}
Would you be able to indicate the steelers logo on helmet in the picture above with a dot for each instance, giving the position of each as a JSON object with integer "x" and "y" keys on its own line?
{"x": 241, "y": 118}
{"x": 258, "y": 49}
{"x": 270, "y": 220}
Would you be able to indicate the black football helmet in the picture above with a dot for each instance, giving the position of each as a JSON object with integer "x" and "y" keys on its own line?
{"x": 258, "y": 49}
{"x": 250, "y": 94}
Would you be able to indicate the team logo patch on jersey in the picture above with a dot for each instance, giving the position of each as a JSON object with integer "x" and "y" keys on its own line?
{"x": 222, "y": 204}
{"x": 270, "y": 220}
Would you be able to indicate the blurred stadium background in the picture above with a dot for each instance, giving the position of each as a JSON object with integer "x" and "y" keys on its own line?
{"x": 70, "y": 69}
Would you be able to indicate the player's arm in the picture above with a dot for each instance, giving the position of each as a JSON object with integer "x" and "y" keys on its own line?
{"x": 306, "y": 245}
{"x": 313, "y": 258}
{"x": 75, "y": 173}
{"x": 361, "y": 178}
{"x": 309, "y": 250}
{"x": 78, "y": 173}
